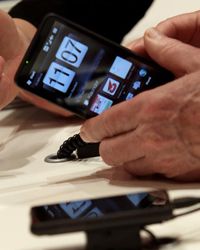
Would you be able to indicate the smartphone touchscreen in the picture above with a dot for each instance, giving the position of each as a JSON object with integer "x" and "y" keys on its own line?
{"x": 89, "y": 213}
{"x": 83, "y": 72}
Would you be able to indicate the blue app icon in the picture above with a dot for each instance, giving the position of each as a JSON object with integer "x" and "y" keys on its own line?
{"x": 121, "y": 67}
{"x": 142, "y": 72}
{"x": 137, "y": 85}
{"x": 129, "y": 96}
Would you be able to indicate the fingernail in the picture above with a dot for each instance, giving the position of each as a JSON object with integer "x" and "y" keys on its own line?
{"x": 153, "y": 33}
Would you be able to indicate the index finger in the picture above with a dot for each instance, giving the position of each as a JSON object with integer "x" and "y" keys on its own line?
{"x": 183, "y": 27}
{"x": 121, "y": 118}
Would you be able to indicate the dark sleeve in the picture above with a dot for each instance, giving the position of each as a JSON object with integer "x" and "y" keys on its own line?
{"x": 110, "y": 18}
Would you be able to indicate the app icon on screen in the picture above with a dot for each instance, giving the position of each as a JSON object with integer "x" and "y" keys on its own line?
{"x": 121, "y": 67}
{"x": 94, "y": 213}
{"x": 75, "y": 209}
{"x": 136, "y": 198}
{"x": 129, "y": 96}
{"x": 137, "y": 85}
{"x": 71, "y": 51}
{"x": 55, "y": 30}
{"x": 100, "y": 104}
{"x": 86, "y": 102}
{"x": 143, "y": 72}
{"x": 29, "y": 82}
{"x": 111, "y": 86}
{"x": 58, "y": 77}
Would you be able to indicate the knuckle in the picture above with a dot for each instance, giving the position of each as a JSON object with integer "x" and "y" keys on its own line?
{"x": 88, "y": 134}
{"x": 106, "y": 152}
{"x": 160, "y": 107}
{"x": 195, "y": 62}
{"x": 169, "y": 48}
{"x": 168, "y": 167}
{"x": 140, "y": 102}
{"x": 108, "y": 123}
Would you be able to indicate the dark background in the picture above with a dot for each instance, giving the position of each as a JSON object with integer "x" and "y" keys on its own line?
{"x": 110, "y": 18}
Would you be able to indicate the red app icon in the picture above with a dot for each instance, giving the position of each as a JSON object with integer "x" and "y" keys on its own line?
{"x": 111, "y": 86}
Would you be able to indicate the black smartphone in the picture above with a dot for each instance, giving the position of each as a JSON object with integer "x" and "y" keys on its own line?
{"x": 135, "y": 209}
{"x": 83, "y": 72}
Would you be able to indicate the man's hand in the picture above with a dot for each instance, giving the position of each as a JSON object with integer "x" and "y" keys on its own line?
{"x": 16, "y": 35}
{"x": 12, "y": 47}
{"x": 180, "y": 44}
{"x": 158, "y": 130}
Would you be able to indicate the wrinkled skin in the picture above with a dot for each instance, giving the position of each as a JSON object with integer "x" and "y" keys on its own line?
{"x": 158, "y": 131}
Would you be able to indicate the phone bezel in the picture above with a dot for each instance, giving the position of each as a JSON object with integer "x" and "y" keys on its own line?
{"x": 137, "y": 217}
{"x": 36, "y": 46}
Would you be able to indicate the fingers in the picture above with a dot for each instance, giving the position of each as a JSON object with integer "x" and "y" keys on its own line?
{"x": 113, "y": 121}
{"x": 10, "y": 44}
{"x": 189, "y": 177}
{"x": 171, "y": 54}
{"x": 183, "y": 27}
{"x": 2, "y": 64}
{"x": 139, "y": 167}
{"x": 144, "y": 135}
{"x": 122, "y": 148}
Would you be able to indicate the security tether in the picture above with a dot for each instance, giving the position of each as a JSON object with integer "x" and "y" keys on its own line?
{"x": 74, "y": 148}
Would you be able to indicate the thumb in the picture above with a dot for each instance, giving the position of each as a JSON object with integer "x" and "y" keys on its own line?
{"x": 174, "y": 55}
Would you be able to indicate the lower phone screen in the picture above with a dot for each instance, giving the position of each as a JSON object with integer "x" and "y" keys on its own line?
{"x": 93, "y": 208}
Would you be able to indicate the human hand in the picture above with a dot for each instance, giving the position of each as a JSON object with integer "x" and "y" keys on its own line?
{"x": 158, "y": 130}
{"x": 155, "y": 132}
{"x": 181, "y": 36}
{"x": 12, "y": 47}
{"x": 16, "y": 35}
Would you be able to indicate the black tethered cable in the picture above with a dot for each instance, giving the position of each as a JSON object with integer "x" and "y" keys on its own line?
{"x": 72, "y": 144}
{"x": 69, "y": 146}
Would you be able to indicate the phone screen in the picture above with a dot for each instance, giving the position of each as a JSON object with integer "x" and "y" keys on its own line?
{"x": 91, "y": 209}
{"x": 81, "y": 71}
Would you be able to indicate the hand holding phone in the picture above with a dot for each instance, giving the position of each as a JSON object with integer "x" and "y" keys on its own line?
{"x": 83, "y": 72}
